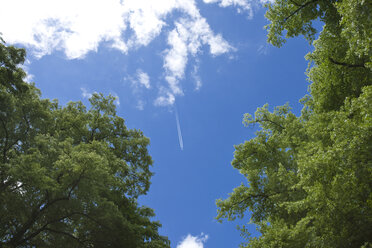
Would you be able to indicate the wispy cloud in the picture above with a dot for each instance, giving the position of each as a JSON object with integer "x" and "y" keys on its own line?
{"x": 193, "y": 241}
{"x": 139, "y": 82}
{"x": 186, "y": 40}
{"x": 79, "y": 27}
{"x": 242, "y": 6}
{"x": 196, "y": 77}
{"x": 143, "y": 79}
{"x": 29, "y": 77}
{"x": 117, "y": 98}
{"x": 140, "y": 104}
{"x": 166, "y": 98}
{"x": 85, "y": 93}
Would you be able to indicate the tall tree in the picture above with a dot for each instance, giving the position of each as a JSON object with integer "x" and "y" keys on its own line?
{"x": 309, "y": 178}
{"x": 69, "y": 176}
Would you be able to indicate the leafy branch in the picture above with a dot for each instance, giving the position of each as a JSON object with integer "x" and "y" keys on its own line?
{"x": 346, "y": 64}
{"x": 300, "y": 7}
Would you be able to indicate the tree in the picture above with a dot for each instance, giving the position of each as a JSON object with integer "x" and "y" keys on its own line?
{"x": 309, "y": 177}
{"x": 69, "y": 176}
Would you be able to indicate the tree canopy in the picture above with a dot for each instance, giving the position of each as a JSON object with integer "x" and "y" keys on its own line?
{"x": 309, "y": 177}
{"x": 70, "y": 176}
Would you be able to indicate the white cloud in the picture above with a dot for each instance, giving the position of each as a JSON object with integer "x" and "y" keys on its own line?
{"x": 75, "y": 27}
{"x": 29, "y": 77}
{"x": 242, "y": 5}
{"x": 117, "y": 99}
{"x": 140, "y": 105}
{"x": 175, "y": 61}
{"x": 143, "y": 78}
{"x": 79, "y": 27}
{"x": 193, "y": 241}
{"x": 185, "y": 40}
{"x": 85, "y": 93}
{"x": 196, "y": 77}
{"x": 139, "y": 82}
{"x": 166, "y": 98}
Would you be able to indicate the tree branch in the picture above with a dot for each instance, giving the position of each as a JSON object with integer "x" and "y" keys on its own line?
{"x": 6, "y": 139}
{"x": 273, "y": 122}
{"x": 20, "y": 185}
{"x": 346, "y": 64}
{"x": 253, "y": 196}
{"x": 8, "y": 146}
{"x": 66, "y": 234}
{"x": 73, "y": 186}
{"x": 295, "y": 3}
{"x": 17, "y": 242}
{"x": 300, "y": 7}
{"x": 39, "y": 210}
{"x": 5, "y": 184}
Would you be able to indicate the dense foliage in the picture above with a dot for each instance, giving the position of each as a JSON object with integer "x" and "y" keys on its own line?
{"x": 309, "y": 178}
{"x": 69, "y": 176}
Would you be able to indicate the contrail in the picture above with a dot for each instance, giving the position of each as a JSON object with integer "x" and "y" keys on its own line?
{"x": 179, "y": 129}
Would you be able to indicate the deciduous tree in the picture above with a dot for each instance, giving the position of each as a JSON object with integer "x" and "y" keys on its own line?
{"x": 70, "y": 176}
{"x": 309, "y": 177}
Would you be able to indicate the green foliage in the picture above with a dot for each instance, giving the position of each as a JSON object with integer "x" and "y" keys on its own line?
{"x": 342, "y": 57}
{"x": 309, "y": 181}
{"x": 69, "y": 176}
{"x": 309, "y": 178}
{"x": 10, "y": 74}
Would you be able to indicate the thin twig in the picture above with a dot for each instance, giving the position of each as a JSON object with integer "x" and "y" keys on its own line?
{"x": 299, "y": 9}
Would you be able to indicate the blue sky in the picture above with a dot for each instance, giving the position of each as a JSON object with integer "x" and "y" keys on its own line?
{"x": 183, "y": 71}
